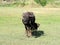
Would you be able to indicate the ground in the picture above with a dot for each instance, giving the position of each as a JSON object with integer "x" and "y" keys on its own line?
{"x": 12, "y": 30}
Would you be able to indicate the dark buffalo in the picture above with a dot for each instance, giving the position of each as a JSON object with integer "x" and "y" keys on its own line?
{"x": 28, "y": 20}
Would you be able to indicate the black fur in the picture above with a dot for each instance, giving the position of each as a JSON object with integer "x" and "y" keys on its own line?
{"x": 28, "y": 20}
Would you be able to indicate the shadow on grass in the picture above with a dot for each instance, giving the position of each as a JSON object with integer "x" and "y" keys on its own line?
{"x": 37, "y": 33}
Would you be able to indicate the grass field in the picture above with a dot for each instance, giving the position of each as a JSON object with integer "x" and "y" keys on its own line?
{"x": 12, "y": 30}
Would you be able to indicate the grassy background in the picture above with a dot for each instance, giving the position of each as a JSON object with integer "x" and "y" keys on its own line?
{"x": 30, "y": 3}
{"x": 12, "y": 31}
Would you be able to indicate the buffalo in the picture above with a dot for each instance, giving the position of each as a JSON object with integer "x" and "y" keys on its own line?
{"x": 28, "y": 20}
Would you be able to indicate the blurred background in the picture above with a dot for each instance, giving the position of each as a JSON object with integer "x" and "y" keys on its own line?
{"x": 30, "y": 3}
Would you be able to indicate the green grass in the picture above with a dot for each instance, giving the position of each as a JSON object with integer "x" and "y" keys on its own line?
{"x": 12, "y": 30}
